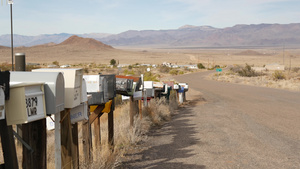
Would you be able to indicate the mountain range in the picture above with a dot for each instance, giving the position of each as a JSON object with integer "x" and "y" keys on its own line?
{"x": 185, "y": 36}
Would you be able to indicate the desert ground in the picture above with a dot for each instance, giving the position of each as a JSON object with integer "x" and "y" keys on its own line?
{"x": 86, "y": 52}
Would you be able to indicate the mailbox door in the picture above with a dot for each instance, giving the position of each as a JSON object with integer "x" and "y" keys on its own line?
{"x": 92, "y": 83}
{"x": 35, "y": 102}
{"x": 110, "y": 85}
{"x": 2, "y": 104}
{"x": 79, "y": 113}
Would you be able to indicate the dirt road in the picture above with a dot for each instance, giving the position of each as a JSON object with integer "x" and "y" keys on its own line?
{"x": 237, "y": 126}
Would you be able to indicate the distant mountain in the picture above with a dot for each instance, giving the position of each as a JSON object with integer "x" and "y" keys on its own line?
{"x": 87, "y": 43}
{"x": 188, "y": 35}
{"x": 20, "y": 40}
{"x": 207, "y": 36}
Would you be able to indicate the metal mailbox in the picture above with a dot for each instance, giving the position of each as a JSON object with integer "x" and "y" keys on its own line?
{"x": 4, "y": 83}
{"x": 111, "y": 86}
{"x": 95, "y": 87}
{"x": 2, "y": 104}
{"x": 148, "y": 84}
{"x": 185, "y": 85}
{"x": 26, "y": 103}
{"x": 138, "y": 95}
{"x": 73, "y": 85}
{"x": 54, "y": 87}
{"x": 80, "y": 112}
{"x": 124, "y": 86}
{"x": 136, "y": 80}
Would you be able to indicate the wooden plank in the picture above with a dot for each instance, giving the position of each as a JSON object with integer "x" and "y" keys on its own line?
{"x": 111, "y": 125}
{"x": 66, "y": 140}
{"x": 131, "y": 111}
{"x": 86, "y": 143}
{"x": 97, "y": 113}
{"x": 97, "y": 132}
{"x": 34, "y": 134}
{"x": 75, "y": 149}
{"x": 140, "y": 108}
{"x": 8, "y": 146}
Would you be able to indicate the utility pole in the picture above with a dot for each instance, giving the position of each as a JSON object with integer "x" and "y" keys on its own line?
{"x": 11, "y": 34}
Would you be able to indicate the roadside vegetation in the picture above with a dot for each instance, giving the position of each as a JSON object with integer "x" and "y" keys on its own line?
{"x": 284, "y": 79}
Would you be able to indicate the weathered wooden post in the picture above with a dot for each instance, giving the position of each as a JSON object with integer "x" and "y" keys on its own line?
{"x": 111, "y": 125}
{"x": 6, "y": 132}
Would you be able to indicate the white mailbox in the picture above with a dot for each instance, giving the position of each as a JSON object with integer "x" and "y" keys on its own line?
{"x": 95, "y": 87}
{"x": 176, "y": 87}
{"x": 80, "y": 112}
{"x": 26, "y": 103}
{"x": 73, "y": 85}
{"x": 148, "y": 84}
{"x": 2, "y": 104}
{"x": 185, "y": 85}
{"x": 54, "y": 87}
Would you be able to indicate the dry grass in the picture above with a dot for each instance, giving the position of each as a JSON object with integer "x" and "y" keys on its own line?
{"x": 291, "y": 80}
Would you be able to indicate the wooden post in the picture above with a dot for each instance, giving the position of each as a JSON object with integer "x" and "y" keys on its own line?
{"x": 34, "y": 134}
{"x": 140, "y": 109}
{"x": 66, "y": 140}
{"x": 8, "y": 146}
{"x": 131, "y": 110}
{"x": 75, "y": 149}
{"x": 111, "y": 125}
{"x": 86, "y": 142}
{"x": 97, "y": 132}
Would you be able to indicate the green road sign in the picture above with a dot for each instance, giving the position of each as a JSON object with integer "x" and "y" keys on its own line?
{"x": 219, "y": 70}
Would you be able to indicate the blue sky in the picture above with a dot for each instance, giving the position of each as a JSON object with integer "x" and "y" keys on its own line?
{"x": 31, "y": 17}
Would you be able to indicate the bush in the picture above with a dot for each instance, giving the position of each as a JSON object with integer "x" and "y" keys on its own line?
{"x": 247, "y": 71}
{"x": 148, "y": 76}
{"x": 278, "y": 75}
{"x": 55, "y": 63}
{"x": 174, "y": 72}
{"x": 164, "y": 69}
{"x": 113, "y": 62}
{"x": 200, "y": 66}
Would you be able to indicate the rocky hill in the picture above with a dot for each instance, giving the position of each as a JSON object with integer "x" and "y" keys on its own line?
{"x": 87, "y": 43}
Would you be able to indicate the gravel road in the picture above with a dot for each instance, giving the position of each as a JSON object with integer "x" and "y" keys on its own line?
{"x": 226, "y": 126}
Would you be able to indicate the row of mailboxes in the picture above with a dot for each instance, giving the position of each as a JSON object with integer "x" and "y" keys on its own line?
{"x": 26, "y": 103}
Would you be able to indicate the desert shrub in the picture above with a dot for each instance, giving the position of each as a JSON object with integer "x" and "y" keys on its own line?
{"x": 5, "y": 66}
{"x": 148, "y": 76}
{"x": 181, "y": 72}
{"x": 164, "y": 69}
{"x": 55, "y": 63}
{"x": 30, "y": 67}
{"x": 130, "y": 67}
{"x": 174, "y": 72}
{"x": 158, "y": 111}
{"x": 278, "y": 75}
{"x": 86, "y": 70}
{"x": 128, "y": 72}
{"x": 200, "y": 66}
{"x": 247, "y": 71}
{"x": 296, "y": 69}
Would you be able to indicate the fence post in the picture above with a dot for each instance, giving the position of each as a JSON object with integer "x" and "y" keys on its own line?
{"x": 111, "y": 125}
{"x": 58, "y": 162}
{"x": 131, "y": 110}
{"x": 97, "y": 132}
{"x": 8, "y": 146}
{"x": 86, "y": 142}
{"x": 140, "y": 109}
{"x": 66, "y": 140}
{"x": 75, "y": 150}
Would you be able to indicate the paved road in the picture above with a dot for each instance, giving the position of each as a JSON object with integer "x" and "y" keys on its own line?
{"x": 227, "y": 126}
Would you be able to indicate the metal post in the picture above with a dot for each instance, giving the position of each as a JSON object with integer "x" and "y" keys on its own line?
{"x": 12, "y": 43}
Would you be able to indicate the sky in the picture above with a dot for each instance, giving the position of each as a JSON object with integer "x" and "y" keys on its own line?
{"x": 32, "y": 17}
